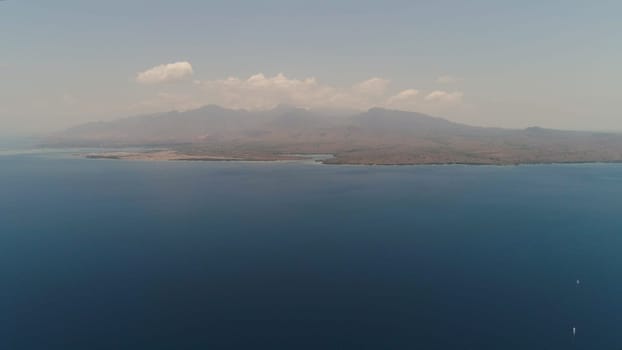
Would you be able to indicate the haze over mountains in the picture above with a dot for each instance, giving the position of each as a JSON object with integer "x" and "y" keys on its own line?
{"x": 376, "y": 136}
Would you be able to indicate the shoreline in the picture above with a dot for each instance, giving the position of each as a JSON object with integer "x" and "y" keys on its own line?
{"x": 324, "y": 159}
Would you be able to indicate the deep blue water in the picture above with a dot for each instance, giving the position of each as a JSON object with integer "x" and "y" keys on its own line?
{"x": 98, "y": 254}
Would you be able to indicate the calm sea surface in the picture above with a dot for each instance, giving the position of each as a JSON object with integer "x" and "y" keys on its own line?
{"x": 104, "y": 254}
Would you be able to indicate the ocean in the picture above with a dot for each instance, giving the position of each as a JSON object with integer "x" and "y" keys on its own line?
{"x": 107, "y": 254}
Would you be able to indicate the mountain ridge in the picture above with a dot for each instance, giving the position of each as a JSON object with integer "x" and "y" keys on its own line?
{"x": 375, "y": 136}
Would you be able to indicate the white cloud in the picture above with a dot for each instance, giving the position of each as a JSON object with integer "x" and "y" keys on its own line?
{"x": 408, "y": 94}
{"x": 447, "y": 79}
{"x": 444, "y": 96}
{"x": 260, "y": 91}
{"x": 373, "y": 86}
{"x": 406, "y": 100}
{"x": 165, "y": 73}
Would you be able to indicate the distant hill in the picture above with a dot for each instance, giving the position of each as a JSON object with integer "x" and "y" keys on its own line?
{"x": 376, "y": 136}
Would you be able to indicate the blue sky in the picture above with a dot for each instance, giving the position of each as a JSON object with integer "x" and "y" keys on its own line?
{"x": 500, "y": 63}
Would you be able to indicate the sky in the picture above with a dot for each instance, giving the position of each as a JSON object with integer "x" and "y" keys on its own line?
{"x": 493, "y": 63}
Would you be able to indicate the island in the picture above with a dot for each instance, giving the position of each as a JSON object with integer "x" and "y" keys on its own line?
{"x": 377, "y": 137}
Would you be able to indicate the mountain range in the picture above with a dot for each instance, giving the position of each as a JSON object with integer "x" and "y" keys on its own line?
{"x": 375, "y": 136}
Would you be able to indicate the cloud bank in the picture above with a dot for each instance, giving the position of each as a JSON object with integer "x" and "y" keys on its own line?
{"x": 444, "y": 96}
{"x": 260, "y": 91}
{"x": 166, "y": 73}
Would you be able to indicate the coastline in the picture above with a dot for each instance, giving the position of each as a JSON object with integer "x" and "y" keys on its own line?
{"x": 169, "y": 155}
{"x": 324, "y": 159}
